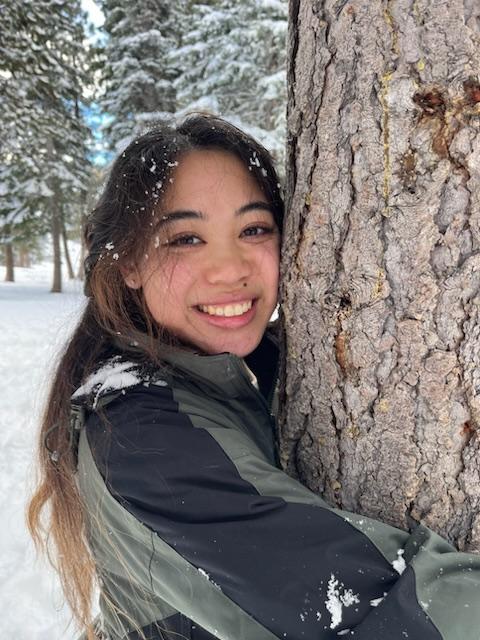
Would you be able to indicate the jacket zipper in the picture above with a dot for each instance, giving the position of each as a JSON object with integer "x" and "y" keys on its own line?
{"x": 242, "y": 368}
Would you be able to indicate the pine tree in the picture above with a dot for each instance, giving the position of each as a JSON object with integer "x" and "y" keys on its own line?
{"x": 43, "y": 148}
{"x": 15, "y": 117}
{"x": 381, "y": 262}
{"x": 137, "y": 73}
{"x": 233, "y": 62}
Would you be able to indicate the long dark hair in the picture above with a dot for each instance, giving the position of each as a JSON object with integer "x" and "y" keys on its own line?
{"x": 117, "y": 234}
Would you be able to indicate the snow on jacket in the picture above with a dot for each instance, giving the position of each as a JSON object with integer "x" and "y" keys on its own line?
{"x": 197, "y": 531}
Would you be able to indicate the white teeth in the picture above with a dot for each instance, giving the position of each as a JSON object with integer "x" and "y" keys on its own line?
{"x": 227, "y": 310}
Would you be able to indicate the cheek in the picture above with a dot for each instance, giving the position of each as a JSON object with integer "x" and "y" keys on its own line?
{"x": 179, "y": 277}
{"x": 271, "y": 268}
{"x": 168, "y": 287}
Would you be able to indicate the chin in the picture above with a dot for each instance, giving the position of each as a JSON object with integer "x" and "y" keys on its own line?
{"x": 238, "y": 345}
{"x": 241, "y": 350}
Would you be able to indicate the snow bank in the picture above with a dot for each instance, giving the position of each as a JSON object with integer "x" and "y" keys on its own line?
{"x": 33, "y": 327}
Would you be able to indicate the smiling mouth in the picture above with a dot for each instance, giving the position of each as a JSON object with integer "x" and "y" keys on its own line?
{"x": 227, "y": 310}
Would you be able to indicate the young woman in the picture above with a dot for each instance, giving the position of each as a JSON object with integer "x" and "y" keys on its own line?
{"x": 157, "y": 450}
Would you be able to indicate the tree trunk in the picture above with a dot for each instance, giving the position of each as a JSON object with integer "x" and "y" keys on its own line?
{"x": 83, "y": 250}
{"x": 24, "y": 259}
{"x": 9, "y": 262}
{"x": 66, "y": 252}
{"x": 381, "y": 260}
{"x": 57, "y": 258}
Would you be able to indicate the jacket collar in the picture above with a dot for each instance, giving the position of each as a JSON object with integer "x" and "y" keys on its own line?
{"x": 225, "y": 370}
{"x": 224, "y": 374}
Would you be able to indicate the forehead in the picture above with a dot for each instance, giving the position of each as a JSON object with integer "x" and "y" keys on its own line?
{"x": 208, "y": 175}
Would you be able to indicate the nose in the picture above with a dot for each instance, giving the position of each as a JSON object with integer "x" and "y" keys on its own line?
{"x": 227, "y": 264}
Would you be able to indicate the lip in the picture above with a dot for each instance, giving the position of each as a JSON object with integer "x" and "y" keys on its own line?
{"x": 231, "y": 322}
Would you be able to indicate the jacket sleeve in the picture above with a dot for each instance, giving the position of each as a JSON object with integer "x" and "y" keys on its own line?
{"x": 256, "y": 555}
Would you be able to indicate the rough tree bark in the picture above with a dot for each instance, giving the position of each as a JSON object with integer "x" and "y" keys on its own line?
{"x": 381, "y": 260}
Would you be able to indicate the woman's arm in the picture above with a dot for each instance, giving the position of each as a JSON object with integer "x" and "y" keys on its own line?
{"x": 254, "y": 550}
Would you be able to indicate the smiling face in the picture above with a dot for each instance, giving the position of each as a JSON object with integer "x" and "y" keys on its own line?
{"x": 211, "y": 274}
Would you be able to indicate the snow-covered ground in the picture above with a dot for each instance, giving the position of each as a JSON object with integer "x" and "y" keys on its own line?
{"x": 33, "y": 327}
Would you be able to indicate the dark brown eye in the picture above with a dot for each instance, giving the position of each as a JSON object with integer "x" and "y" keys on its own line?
{"x": 184, "y": 241}
{"x": 257, "y": 230}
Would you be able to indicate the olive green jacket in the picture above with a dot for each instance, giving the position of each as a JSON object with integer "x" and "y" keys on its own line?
{"x": 198, "y": 533}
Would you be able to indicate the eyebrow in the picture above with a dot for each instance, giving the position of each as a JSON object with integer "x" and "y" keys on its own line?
{"x": 189, "y": 214}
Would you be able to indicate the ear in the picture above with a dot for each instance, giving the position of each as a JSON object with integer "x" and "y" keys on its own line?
{"x": 131, "y": 276}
